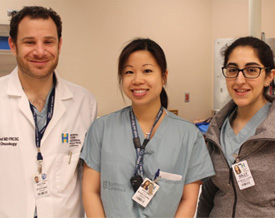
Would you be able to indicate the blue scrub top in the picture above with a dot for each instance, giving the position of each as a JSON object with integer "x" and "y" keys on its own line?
{"x": 231, "y": 143}
{"x": 177, "y": 147}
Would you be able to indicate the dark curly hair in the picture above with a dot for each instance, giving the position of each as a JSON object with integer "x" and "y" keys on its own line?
{"x": 34, "y": 12}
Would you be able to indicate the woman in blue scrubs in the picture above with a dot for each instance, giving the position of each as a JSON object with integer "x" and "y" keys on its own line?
{"x": 241, "y": 137}
{"x": 143, "y": 145}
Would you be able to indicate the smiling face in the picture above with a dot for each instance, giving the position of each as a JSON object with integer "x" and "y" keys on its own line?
{"x": 37, "y": 48}
{"x": 247, "y": 93}
{"x": 142, "y": 79}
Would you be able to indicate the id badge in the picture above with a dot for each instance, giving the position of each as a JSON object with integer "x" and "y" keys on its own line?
{"x": 243, "y": 175}
{"x": 41, "y": 185}
{"x": 145, "y": 192}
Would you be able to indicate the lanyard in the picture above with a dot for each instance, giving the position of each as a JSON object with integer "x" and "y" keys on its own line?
{"x": 141, "y": 148}
{"x": 39, "y": 133}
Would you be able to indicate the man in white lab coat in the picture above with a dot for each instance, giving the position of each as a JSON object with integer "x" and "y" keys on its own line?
{"x": 43, "y": 122}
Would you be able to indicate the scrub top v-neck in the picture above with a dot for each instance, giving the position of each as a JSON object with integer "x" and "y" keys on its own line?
{"x": 231, "y": 143}
{"x": 177, "y": 147}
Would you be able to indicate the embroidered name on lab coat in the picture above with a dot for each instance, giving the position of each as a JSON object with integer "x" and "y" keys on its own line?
{"x": 9, "y": 141}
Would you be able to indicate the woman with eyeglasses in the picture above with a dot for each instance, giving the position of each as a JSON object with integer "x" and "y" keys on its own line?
{"x": 241, "y": 137}
{"x": 143, "y": 161}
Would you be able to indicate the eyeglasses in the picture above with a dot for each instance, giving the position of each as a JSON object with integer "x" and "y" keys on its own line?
{"x": 248, "y": 72}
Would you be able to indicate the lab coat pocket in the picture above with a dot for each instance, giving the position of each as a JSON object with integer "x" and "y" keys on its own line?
{"x": 66, "y": 172}
{"x": 166, "y": 200}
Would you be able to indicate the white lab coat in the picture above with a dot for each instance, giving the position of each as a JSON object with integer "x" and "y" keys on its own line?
{"x": 74, "y": 110}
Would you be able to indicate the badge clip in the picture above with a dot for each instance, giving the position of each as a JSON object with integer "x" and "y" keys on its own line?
{"x": 39, "y": 167}
{"x": 136, "y": 181}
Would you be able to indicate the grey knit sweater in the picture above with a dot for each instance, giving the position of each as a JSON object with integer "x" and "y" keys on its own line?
{"x": 221, "y": 196}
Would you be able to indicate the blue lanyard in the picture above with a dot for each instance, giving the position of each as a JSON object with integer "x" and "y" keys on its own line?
{"x": 141, "y": 148}
{"x": 39, "y": 134}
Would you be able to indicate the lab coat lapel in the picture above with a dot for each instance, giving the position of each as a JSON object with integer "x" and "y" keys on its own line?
{"x": 61, "y": 93}
{"x": 24, "y": 107}
{"x": 59, "y": 110}
{"x": 15, "y": 90}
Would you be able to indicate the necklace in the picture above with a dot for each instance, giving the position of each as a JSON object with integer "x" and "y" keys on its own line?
{"x": 146, "y": 133}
